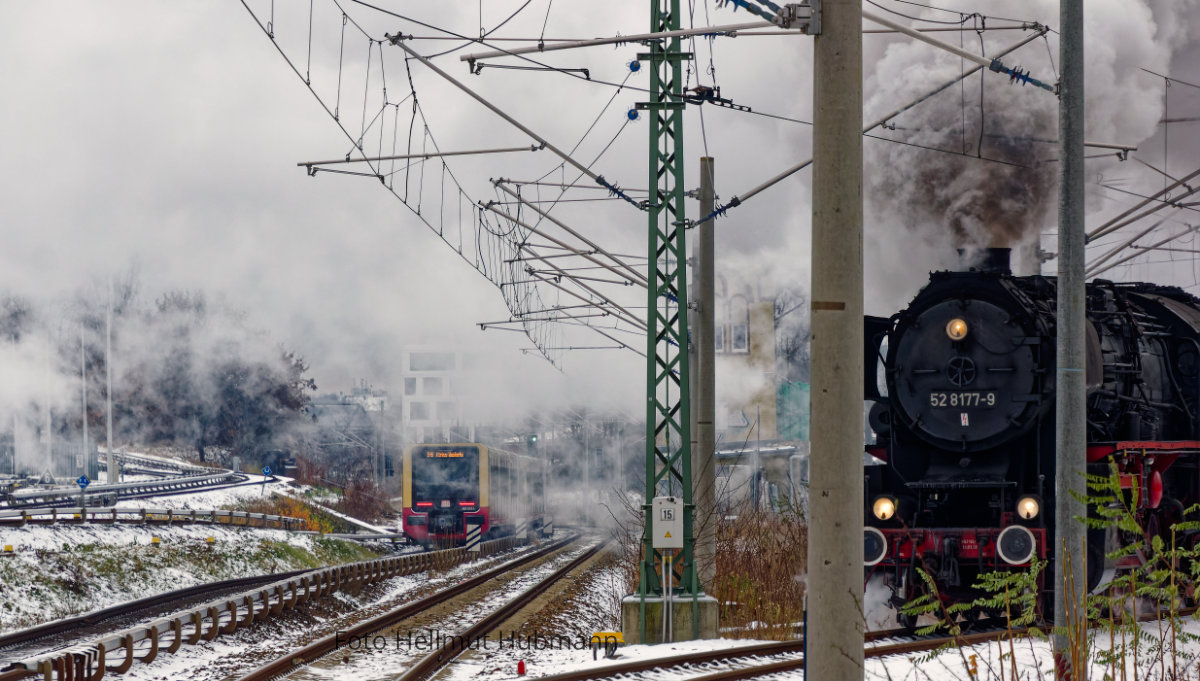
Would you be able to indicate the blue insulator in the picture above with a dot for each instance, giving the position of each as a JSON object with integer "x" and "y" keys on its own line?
{"x": 632, "y": 114}
{"x": 635, "y": 66}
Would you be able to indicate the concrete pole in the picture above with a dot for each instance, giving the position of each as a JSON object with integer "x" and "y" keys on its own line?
{"x": 83, "y": 398}
{"x": 1071, "y": 426}
{"x": 48, "y": 433}
{"x": 113, "y": 475}
{"x": 621, "y": 467}
{"x": 704, "y": 384}
{"x": 588, "y": 501}
{"x": 834, "y": 628}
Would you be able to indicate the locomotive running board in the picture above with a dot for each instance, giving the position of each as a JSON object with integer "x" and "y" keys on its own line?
{"x": 1100, "y": 451}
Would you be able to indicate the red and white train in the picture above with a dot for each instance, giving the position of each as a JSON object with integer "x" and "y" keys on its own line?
{"x": 448, "y": 487}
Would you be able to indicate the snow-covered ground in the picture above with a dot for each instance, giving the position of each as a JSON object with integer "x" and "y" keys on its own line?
{"x": 37, "y": 546}
{"x": 69, "y": 569}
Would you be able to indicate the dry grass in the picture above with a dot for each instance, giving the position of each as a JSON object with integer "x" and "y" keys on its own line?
{"x": 760, "y": 573}
{"x": 278, "y": 504}
{"x": 760, "y": 568}
{"x": 364, "y": 500}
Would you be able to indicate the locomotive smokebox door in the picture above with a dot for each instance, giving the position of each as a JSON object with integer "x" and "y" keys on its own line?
{"x": 666, "y": 522}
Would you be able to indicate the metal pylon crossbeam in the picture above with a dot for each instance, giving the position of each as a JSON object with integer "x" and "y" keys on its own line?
{"x": 668, "y": 437}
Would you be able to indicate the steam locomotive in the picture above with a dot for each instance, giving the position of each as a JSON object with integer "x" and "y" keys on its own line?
{"x": 962, "y": 385}
{"x": 450, "y": 487}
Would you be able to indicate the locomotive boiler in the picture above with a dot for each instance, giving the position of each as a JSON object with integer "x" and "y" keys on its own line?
{"x": 962, "y": 382}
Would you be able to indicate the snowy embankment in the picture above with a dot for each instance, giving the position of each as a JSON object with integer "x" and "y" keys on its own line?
{"x": 55, "y": 571}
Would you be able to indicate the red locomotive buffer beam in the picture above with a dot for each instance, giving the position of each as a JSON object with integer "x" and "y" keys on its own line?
{"x": 975, "y": 545}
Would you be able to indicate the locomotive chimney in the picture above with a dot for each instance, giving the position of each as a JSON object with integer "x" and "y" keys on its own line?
{"x": 987, "y": 260}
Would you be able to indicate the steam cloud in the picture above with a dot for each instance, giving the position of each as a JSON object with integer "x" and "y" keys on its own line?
{"x": 957, "y": 200}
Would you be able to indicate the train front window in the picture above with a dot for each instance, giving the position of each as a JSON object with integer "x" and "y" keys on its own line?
{"x": 445, "y": 474}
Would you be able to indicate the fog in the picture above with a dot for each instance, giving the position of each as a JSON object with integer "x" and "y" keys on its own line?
{"x": 163, "y": 139}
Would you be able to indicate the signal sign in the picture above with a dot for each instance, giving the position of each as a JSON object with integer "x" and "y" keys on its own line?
{"x": 83, "y": 481}
{"x": 474, "y": 532}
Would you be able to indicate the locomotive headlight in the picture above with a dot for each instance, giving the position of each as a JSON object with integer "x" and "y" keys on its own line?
{"x": 874, "y": 546}
{"x": 1015, "y": 545}
{"x": 1028, "y": 507}
{"x": 956, "y": 329}
{"x": 884, "y": 508}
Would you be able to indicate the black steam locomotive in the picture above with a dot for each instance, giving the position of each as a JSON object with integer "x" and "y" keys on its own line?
{"x": 962, "y": 382}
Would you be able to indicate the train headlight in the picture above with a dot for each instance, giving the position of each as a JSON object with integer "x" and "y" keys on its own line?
{"x": 1015, "y": 545}
{"x": 874, "y": 546}
{"x": 884, "y": 508}
{"x": 1028, "y": 507}
{"x": 956, "y": 329}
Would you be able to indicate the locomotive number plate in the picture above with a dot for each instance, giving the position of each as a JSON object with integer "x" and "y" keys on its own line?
{"x": 960, "y": 399}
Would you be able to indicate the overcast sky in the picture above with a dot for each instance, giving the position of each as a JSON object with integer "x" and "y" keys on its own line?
{"x": 165, "y": 136}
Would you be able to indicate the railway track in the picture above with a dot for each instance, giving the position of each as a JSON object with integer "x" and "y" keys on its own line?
{"x": 173, "y": 478}
{"x": 116, "y": 652}
{"x": 154, "y": 465}
{"x": 147, "y": 516}
{"x": 762, "y": 659}
{"x": 757, "y": 660}
{"x": 49, "y": 636}
{"x": 737, "y": 663}
{"x": 429, "y": 665}
{"x": 323, "y": 647}
{"x": 105, "y": 495}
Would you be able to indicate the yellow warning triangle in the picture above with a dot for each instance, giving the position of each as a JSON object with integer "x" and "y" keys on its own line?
{"x": 667, "y": 535}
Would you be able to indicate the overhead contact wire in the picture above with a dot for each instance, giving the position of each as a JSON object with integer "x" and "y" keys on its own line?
{"x": 598, "y": 179}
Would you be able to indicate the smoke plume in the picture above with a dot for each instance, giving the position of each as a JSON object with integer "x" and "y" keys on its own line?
{"x": 976, "y": 165}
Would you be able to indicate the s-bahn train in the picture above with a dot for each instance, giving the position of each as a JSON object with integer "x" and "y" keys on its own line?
{"x": 448, "y": 487}
{"x": 964, "y": 417}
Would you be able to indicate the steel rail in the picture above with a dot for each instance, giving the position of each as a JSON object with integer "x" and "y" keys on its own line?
{"x": 757, "y": 670}
{"x": 753, "y": 650}
{"x": 147, "y": 516}
{"x": 431, "y": 663}
{"x": 30, "y": 498}
{"x": 327, "y": 644}
{"x": 788, "y": 647}
{"x": 133, "y": 607}
{"x": 226, "y": 614}
{"x": 180, "y": 466}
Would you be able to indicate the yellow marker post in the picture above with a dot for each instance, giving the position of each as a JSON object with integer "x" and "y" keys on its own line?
{"x": 155, "y": 541}
{"x": 608, "y": 640}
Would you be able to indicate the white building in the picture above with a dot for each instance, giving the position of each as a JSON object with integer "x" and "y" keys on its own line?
{"x": 432, "y": 401}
